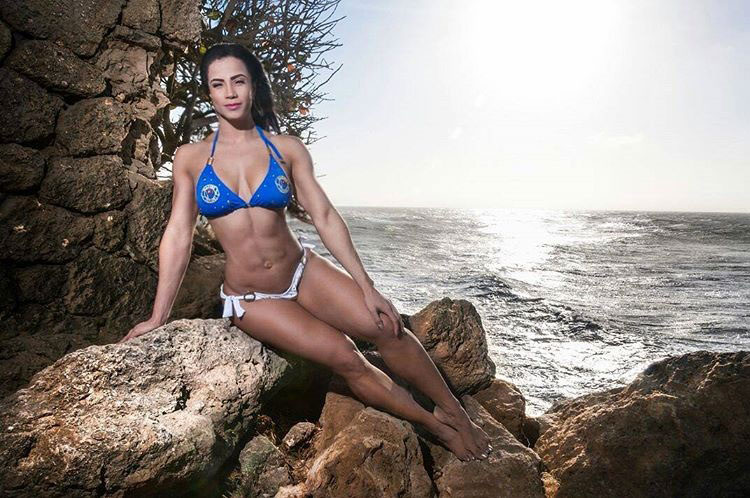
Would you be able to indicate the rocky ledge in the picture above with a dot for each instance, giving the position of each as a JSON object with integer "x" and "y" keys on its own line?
{"x": 198, "y": 408}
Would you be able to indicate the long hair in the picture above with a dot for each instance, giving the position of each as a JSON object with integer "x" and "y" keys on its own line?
{"x": 263, "y": 110}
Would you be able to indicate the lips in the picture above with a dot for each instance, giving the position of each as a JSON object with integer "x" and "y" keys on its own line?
{"x": 232, "y": 106}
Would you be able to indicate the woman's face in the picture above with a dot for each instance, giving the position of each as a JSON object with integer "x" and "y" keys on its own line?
{"x": 230, "y": 87}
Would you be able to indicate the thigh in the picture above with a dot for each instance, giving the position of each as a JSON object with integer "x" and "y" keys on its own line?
{"x": 333, "y": 296}
{"x": 284, "y": 324}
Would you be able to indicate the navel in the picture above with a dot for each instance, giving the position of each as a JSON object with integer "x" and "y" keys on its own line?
{"x": 268, "y": 264}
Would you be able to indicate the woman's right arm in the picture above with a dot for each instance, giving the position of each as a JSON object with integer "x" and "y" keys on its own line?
{"x": 175, "y": 246}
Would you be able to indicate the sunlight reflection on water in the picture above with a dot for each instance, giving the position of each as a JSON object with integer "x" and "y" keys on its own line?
{"x": 571, "y": 301}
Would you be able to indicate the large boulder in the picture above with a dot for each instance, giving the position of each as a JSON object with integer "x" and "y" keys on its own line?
{"x": 452, "y": 333}
{"x": 681, "y": 428}
{"x": 505, "y": 402}
{"x": 338, "y": 412}
{"x": 511, "y": 470}
{"x": 375, "y": 455}
{"x": 142, "y": 417}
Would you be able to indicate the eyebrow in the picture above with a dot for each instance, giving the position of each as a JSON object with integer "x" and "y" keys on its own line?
{"x": 233, "y": 77}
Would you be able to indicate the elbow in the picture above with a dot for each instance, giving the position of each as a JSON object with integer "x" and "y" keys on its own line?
{"x": 178, "y": 240}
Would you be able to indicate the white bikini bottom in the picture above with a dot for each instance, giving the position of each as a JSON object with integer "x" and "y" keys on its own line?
{"x": 232, "y": 302}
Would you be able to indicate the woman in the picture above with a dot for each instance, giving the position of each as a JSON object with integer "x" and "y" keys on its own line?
{"x": 275, "y": 289}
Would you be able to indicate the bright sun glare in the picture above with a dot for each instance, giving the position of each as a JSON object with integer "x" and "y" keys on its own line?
{"x": 536, "y": 52}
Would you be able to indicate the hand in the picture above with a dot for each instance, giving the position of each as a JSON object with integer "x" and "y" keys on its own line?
{"x": 140, "y": 329}
{"x": 377, "y": 304}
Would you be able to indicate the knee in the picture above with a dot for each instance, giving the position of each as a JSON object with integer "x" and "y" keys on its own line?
{"x": 349, "y": 362}
{"x": 385, "y": 335}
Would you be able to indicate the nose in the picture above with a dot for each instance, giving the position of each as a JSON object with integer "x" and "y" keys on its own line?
{"x": 230, "y": 92}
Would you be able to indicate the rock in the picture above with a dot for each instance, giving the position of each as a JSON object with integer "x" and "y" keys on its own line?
{"x": 375, "y": 455}
{"x": 57, "y": 68}
{"x": 29, "y": 112}
{"x": 34, "y": 232}
{"x": 298, "y": 436}
{"x": 83, "y": 102}
{"x": 93, "y": 126}
{"x": 511, "y": 469}
{"x": 534, "y": 427}
{"x": 21, "y": 168}
{"x": 79, "y": 24}
{"x": 293, "y": 491}
{"x": 137, "y": 37}
{"x": 166, "y": 408}
{"x": 204, "y": 241}
{"x": 126, "y": 68}
{"x": 142, "y": 14}
{"x": 87, "y": 184}
{"x": 681, "y": 428}
{"x": 263, "y": 468}
{"x": 99, "y": 283}
{"x": 40, "y": 283}
{"x": 504, "y": 401}
{"x": 338, "y": 412}
{"x": 451, "y": 332}
{"x": 148, "y": 213}
{"x": 24, "y": 351}
{"x": 6, "y": 39}
{"x": 180, "y": 20}
{"x": 198, "y": 296}
{"x": 8, "y": 293}
{"x": 109, "y": 230}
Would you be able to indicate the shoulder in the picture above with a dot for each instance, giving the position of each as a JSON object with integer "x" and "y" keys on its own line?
{"x": 190, "y": 155}
{"x": 289, "y": 139}
{"x": 290, "y": 145}
{"x": 195, "y": 148}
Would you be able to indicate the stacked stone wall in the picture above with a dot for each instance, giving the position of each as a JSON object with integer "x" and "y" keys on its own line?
{"x": 81, "y": 208}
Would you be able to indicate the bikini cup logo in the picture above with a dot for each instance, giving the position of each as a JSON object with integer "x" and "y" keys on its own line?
{"x": 210, "y": 193}
{"x": 282, "y": 184}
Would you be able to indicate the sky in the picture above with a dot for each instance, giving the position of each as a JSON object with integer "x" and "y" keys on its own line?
{"x": 601, "y": 104}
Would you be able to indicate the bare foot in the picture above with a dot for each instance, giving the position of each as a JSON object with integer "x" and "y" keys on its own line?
{"x": 452, "y": 439}
{"x": 474, "y": 437}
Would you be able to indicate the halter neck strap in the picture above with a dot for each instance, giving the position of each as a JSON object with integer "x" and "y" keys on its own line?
{"x": 271, "y": 147}
{"x": 269, "y": 144}
{"x": 213, "y": 147}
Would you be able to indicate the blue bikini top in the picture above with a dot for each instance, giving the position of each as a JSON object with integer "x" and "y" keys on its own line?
{"x": 216, "y": 199}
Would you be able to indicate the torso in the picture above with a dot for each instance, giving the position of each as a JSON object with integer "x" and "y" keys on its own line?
{"x": 261, "y": 250}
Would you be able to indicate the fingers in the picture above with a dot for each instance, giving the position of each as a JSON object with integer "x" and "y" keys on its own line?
{"x": 388, "y": 311}
{"x": 396, "y": 318}
{"x": 399, "y": 321}
{"x": 376, "y": 318}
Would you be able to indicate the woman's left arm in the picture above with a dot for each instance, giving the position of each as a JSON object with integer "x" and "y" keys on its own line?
{"x": 334, "y": 233}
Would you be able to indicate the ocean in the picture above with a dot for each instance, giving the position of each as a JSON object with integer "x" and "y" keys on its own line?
{"x": 571, "y": 301}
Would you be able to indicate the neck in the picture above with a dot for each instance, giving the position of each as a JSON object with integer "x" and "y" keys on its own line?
{"x": 236, "y": 131}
